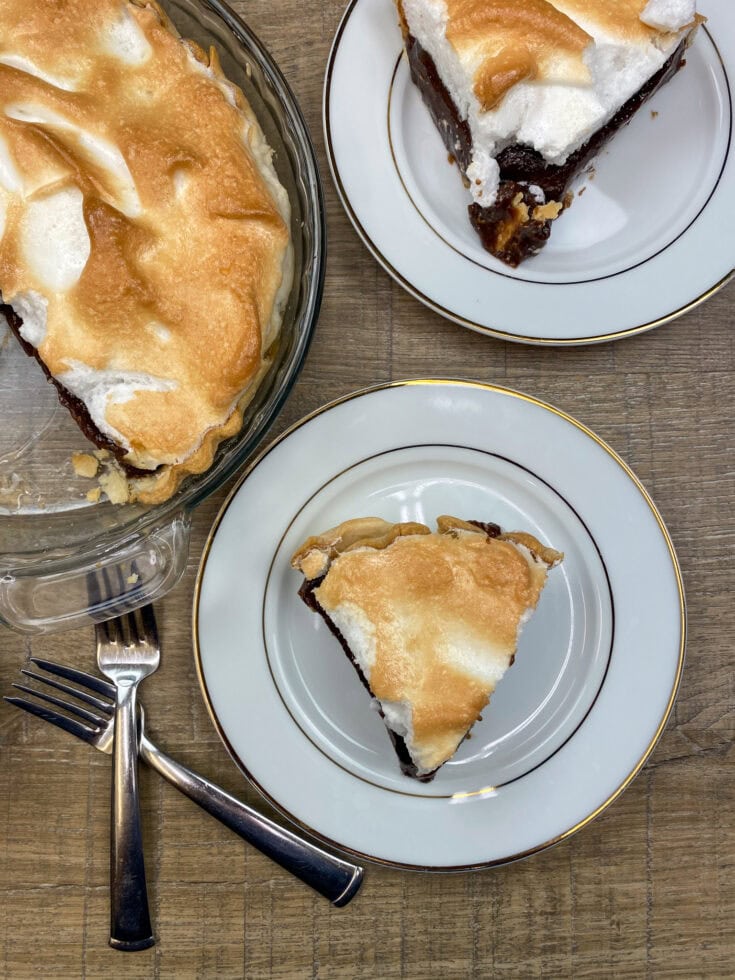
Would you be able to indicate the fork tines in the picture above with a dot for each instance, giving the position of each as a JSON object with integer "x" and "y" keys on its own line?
{"x": 131, "y": 629}
{"x": 69, "y": 725}
{"x": 94, "y": 722}
{"x": 80, "y": 677}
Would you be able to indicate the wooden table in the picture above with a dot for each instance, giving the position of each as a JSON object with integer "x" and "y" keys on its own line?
{"x": 646, "y": 890}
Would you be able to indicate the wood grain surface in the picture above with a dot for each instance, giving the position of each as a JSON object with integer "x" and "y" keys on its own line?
{"x": 647, "y": 890}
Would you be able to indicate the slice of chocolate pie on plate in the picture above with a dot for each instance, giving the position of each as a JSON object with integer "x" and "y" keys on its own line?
{"x": 526, "y": 92}
{"x": 430, "y": 620}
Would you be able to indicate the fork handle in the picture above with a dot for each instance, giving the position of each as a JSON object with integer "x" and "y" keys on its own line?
{"x": 130, "y": 922}
{"x": 333, "y": 878}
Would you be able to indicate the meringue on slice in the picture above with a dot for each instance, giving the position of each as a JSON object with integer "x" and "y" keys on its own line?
{"x": 526, "y": 93}
{"x": 429, "y": 619}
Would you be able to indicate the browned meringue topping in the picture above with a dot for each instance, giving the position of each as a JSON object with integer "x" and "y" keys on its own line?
{"x": 621, "y": 18}
{"x": 443, "y": 610}
{"x": 107, "y": 112}
{"x": 515, "y": 40}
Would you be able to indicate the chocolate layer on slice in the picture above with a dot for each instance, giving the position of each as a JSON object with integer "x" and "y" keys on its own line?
{"x": 517, "y": 225}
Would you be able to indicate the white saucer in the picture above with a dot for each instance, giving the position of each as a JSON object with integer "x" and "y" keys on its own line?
{"x": 597, "y": 668}
{"x": 649, "y": 239}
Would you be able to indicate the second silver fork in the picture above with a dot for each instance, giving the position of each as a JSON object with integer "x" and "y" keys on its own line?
{"x": 87, "y": 711}
{"x": 127, "y": 651}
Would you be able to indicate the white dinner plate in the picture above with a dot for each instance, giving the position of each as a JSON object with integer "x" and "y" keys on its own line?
{"x": 650, "y": 238}
{"x": 597, "y": 668}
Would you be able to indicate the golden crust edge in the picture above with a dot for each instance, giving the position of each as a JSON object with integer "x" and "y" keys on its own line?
{"x": 160, "y": 487}
{"x": 315, "y": 555}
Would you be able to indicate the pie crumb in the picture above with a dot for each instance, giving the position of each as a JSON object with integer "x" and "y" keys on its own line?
{"x": 94, "y": 494}
{"x": 115, "y": 486}
{"x": 520, "y": 208}
{"x": 84, "y": 464}
{"x": 548, "y": 212}
{"x": 132, "y": 579}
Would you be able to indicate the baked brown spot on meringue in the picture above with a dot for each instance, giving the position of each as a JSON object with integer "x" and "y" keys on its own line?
{"x": 500, "y": 72}
{"x": 429, "y": 619}
{"x": 516, "y": 40}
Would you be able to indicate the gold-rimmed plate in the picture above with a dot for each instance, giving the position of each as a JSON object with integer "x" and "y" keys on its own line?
{"x": 596, "y": 673}
{"x": 646, "y": 243}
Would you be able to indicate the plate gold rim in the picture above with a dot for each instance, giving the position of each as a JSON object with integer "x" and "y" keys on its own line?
{"x": 499, "y": 389}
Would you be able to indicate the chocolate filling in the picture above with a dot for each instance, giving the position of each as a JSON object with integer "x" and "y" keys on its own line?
{"x": 74, "y": 405}
{"x": 503, "y": 227}
{"x": 306, "y": 592}
{"x": 492, "y": 530}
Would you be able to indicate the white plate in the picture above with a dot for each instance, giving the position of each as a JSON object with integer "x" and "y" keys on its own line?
{"x": 597, "y": 668}
{"x": 650, "y": 238}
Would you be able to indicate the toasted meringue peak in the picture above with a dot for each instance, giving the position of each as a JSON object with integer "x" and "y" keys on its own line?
{"x": 515, "y": 41}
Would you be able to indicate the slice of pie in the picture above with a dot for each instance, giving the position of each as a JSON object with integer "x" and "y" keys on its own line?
{"x": 145, "y": 254}
{"x": 526, "y": 92}
{"x": 429, "y": 619}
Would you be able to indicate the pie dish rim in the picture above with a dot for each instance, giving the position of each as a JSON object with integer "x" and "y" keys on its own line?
{"x": 163, "y": 528}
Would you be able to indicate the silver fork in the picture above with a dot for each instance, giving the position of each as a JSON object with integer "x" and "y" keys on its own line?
{"x": 92, "y": 701}
{"x": 127, "y": 652}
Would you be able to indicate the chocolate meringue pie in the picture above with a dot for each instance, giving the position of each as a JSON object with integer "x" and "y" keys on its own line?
{"x": 145, "y": 257}
{"x": 430, "y": 620}
{"x": 526, "y": 92}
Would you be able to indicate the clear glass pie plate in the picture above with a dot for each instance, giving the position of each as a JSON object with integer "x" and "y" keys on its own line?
{"x": 65, "y": 561}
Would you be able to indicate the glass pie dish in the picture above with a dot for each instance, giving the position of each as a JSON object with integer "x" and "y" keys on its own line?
{"x": 65, "y": 561}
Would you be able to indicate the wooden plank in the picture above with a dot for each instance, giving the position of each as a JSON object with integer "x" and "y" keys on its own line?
{"x": 645, "y": 891}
